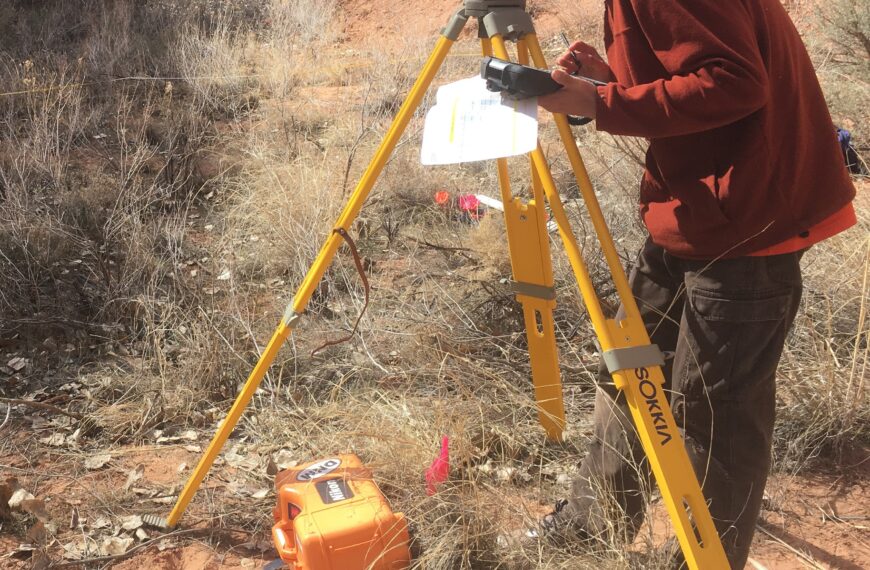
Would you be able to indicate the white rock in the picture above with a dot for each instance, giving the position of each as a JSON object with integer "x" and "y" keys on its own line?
{"x": 74, "y": 550}
{"x": 134, "y": 476}
{"x": 101, "y": 522}
{"x": 189, "y": 435}
{"x": 19, "y": 497}
{"x": 54, "y": 440}
{"x": 284, "y": 459}
{"x": 241, "y": 461}
{"x": 97, "y": 461}
{"x": 115, "y": 545}
{"x": 131, "y": 522}
{"x": 18, "y": 363}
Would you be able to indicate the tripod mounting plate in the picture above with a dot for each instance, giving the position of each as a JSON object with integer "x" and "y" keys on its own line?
{"x": 483, "y": 7}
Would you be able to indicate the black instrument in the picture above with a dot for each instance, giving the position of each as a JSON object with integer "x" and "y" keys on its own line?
{"x": 517, "y": 81}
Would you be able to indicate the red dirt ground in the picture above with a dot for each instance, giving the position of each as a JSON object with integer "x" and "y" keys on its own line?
{"x": 818, "y": 520}
{"x": 809, "y": 521}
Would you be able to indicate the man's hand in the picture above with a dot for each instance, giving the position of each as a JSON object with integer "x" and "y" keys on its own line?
{"x": 591, "y": 64}
{"x": 577, "y": 97}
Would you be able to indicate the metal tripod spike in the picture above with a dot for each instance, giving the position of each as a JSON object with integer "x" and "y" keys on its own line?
{"x": 634, "y": 363}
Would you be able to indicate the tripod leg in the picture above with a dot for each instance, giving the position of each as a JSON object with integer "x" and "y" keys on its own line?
{"x": 533, "y": 284}
{"x": 315, "y": 273}
{"x": 532, "y": 268}
{"x": 548, "y": 385}
{"x": 543, "y": 351}
{"x": 642, "y": 383}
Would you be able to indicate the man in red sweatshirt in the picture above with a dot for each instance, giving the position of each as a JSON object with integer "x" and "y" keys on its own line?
{"x": 743, "y": 174}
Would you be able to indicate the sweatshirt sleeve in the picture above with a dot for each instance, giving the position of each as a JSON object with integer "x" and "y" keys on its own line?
{"x": 716, "y": 72}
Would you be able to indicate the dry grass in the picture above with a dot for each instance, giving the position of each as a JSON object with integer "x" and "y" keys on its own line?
{"x": 152, "y": 231}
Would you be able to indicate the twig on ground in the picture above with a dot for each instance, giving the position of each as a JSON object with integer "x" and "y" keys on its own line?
{"x": 436, "y": 246}
{"x": 8, "y": 413}
{"x": 151, "y": 542}
{"x": 12, "y": 402}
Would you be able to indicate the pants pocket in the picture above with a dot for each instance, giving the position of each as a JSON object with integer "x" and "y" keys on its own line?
{"x": 734, "y": 339}
{"x": 741, "y": 306}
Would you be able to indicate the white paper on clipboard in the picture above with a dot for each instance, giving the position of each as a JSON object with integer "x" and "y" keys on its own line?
{"x": 470, "y": 123}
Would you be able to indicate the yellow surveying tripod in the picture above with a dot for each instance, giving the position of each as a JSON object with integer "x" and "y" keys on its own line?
{"x": 634, "y": 363}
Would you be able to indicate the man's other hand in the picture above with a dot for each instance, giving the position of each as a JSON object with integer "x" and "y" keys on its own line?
{"x": 577, "y": 96}
{"x": 592, "y": 65}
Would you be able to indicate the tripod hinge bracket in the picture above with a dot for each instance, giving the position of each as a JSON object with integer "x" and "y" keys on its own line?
{"x": 532, "y": 290}
{"x": 455, "y": 26}
{"x": 633, "y": 357}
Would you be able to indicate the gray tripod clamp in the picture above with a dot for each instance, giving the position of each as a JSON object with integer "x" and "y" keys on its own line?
{"x": 507, "y": 18}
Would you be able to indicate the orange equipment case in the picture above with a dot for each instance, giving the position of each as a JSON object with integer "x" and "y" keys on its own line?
{"x": 331, "y": 515}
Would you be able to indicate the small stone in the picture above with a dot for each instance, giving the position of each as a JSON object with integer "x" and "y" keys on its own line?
{"x": 134, "y": 476}
{"x": 284, "y": 459}
{"x": 19, "y": 497}
{"x": 54, "y": 440}
{"x": 131, "y": 522}
{"x": 115, "y": 546}
{"x": 18, "y": 363}
{"x": 189, "y": 435}
{"x": 97, "y": 461}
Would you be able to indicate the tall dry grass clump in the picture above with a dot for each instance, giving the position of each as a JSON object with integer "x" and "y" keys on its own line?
{"x": 107, "y": 163}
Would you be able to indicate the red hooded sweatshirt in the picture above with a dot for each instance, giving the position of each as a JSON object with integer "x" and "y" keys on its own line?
{"x": 743, "y": 154}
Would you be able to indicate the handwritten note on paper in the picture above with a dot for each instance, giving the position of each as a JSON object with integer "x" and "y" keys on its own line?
{"x": 470, "y": 123}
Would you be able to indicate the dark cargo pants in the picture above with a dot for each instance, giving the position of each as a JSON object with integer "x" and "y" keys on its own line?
{"x": 724, "y": 324}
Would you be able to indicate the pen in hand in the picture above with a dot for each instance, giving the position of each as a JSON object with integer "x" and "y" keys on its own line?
{"x": 573, "y": 55}
{"x": 579, "y": 65}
